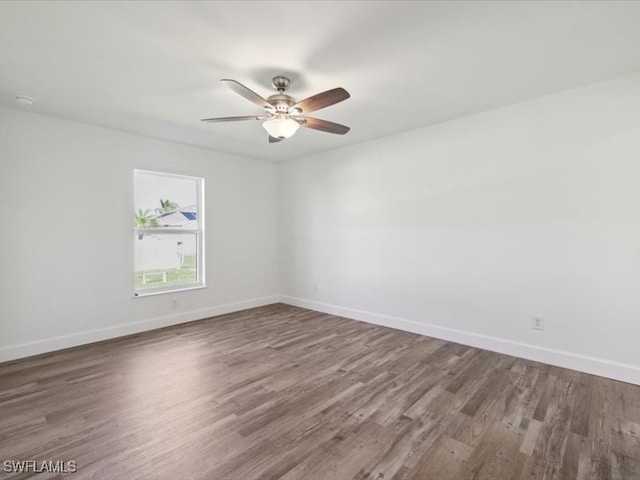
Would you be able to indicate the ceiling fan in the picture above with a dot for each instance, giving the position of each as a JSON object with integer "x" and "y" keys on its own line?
{"x": 283, "y": 114}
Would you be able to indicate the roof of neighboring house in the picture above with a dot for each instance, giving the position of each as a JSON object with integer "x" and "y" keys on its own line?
{"x": 184, "y": 216}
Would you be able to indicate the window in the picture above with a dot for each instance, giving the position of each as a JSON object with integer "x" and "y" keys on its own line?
{"x": 168, "y": 232}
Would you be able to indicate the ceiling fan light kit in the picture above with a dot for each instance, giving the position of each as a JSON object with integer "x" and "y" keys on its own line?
{"x": 281, "y": 127}
{"x": 283, "y": 115}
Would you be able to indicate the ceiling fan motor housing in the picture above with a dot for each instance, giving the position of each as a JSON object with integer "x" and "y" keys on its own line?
{"x": 281, "y": 102}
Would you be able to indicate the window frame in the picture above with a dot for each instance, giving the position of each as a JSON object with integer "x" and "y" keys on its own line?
{"x": 199, "y": 233}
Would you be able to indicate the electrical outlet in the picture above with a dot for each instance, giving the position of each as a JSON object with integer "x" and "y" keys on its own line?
{"x": 173, "y": 304}
{"x": 315, "y": 288}
{"x": 537, "y": 323}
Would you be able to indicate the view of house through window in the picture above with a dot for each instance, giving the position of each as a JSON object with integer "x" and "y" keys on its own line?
{"x": 168, "y": 232}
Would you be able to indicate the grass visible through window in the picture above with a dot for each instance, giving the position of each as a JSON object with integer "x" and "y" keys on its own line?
{"x": 147, "y": 279}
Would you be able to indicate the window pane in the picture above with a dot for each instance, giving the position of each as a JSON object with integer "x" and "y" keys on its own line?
{"x": 165, "y": 201}
{"x": 166, "y": 260}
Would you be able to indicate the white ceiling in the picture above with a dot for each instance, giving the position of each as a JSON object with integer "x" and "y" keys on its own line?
{"x": 153, "y": 67}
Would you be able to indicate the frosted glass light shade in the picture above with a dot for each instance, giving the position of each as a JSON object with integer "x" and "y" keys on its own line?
{"x": 281, "y": 127}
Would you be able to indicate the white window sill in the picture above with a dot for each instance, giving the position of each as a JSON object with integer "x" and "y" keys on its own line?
{"x": 162, "y": 292}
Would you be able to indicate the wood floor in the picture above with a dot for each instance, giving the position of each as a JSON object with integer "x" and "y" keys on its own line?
{"x": 283, "y": 392}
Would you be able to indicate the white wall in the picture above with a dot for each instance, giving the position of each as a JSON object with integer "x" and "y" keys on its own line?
{"x": 66, "y": 241}
{"x": 463, "y": 230}
{"x": 467, "y": 229}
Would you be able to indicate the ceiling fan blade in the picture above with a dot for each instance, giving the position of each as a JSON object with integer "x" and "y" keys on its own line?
{"x": 248, "y": 94}
{"x": 324, "y": 125}
{"x": 233, "y": 119}
{"x": 321, "y": 100}
{"x": 274, "y": 139}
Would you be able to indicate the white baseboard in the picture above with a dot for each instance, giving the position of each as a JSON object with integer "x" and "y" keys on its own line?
{"x": 582, "y": 363}
{"x": 14, "y": 352}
